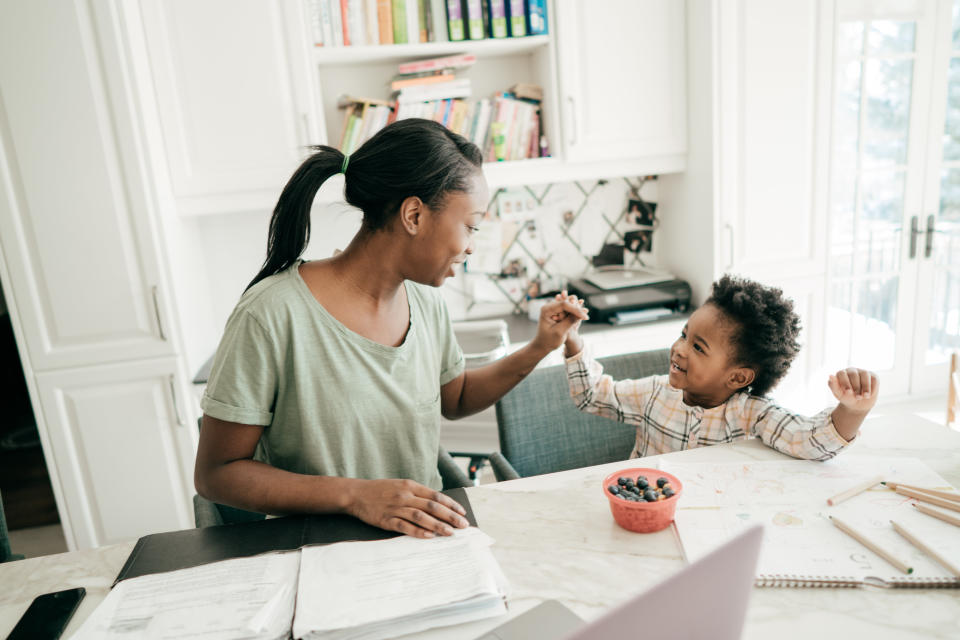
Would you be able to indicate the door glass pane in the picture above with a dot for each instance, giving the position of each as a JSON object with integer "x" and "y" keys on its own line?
{"x": 849, "y": 40}
{"x": 846, "y": 125}
{"x": 861, "y": 323}
{"x": 944, "y": 334}
{"x": 891, "y": 36}
{"x": 888, "y": 111}
{"x": 956, "y": 24}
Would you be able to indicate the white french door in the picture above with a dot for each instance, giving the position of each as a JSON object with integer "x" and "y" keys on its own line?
{"x": 893, "y": 287}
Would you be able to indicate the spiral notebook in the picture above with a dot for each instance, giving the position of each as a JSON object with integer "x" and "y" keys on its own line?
{"x": 802, "y": 548}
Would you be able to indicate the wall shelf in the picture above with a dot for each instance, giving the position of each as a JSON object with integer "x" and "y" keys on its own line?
{"x": 390, "y": 52}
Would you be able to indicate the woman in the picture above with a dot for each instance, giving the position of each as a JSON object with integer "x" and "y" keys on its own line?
{"x": 327, "y": 389}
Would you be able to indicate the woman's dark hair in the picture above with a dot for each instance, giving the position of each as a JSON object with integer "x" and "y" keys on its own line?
{"x": 765, "y": 328}
{"x": 412, "y": 157}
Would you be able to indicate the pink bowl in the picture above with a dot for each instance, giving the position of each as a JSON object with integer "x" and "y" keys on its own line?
{"x": 643, "y": 517}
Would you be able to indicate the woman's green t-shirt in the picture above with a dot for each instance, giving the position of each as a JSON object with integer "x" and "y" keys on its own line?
{"x": 333, "y": 402}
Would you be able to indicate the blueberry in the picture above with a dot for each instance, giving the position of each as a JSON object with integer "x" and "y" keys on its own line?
{"x": 668, "y": 492}
{"x": 614, "y": 489}
{"x": 661, "y": 482}
{"x": 650, "y": 495}
{"x": 621, "y": 481}
{"x": 642, "y": 482}
{"x": 637, "y": 490}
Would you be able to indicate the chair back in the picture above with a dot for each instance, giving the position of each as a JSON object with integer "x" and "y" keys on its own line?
{"x": 541, "y": 430}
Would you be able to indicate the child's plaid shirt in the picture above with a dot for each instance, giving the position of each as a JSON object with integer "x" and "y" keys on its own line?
{"x": 664, "y": 423}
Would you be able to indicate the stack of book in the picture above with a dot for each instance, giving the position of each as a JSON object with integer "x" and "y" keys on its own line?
{"x": 345, "y": 23}
{"x": 506, "y": 127}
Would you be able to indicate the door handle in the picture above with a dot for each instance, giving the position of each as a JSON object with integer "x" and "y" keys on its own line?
{"x": 914, "y": 232}
{"x": 176, "y": 405}
{"x": 928, "y": 241}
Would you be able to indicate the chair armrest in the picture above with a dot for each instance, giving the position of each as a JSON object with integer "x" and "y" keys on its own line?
{"x": 502, "y": 469}
{"x": 451, "y": 474}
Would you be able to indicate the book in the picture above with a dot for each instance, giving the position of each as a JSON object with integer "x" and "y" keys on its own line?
{"x": 385, "y": 21}
{"x": 357, "y": 24}
{"x": 536, "y": 17}
{"x": 399, "y": 12}
{"x": 367, "y": 589}
{"x": 460, "y": 88}
{"x": 336, "y": 22}
{"x": 423, "y": 27}
{"x": 372, "y": 21}
{"x": 498, "y": 18}
{"x": 438, "y": 16}
{"x": 437, "y": 64}
{"x": 433, "y": 78}
{"x": 345, "y": 21}
{"x": 802, "y": 547}
{"x": 413, "y": 21}
{"x": 316, "y": 25}
{"x": 527, "y": 91}
{"x": 323, "y": 7}
{"x": 456, "y": 28}
{"x": 517, "y": 18}
{"x": 474, "y": 19}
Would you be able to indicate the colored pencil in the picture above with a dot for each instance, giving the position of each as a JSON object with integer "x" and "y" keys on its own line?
{"x": 877, "y": 549}
{"x": 852, "y": 491}
{"x": 946, "y": 495}
{"x": 940, "y": 515}
{"x": 927, "y": 549}
{"x": 926, "y": 497}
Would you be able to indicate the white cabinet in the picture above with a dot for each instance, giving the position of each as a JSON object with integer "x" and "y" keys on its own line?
{"x": 235, "y": 98}
{"x": 123, "y": 449}
{"x": 623, "y": 79}
{"x": 82, "y": 259}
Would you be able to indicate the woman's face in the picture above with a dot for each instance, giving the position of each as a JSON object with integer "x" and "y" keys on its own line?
{"x": 448, "y": 232}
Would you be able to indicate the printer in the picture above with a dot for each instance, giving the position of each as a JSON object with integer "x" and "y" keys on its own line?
{"x": 622, "y": 295}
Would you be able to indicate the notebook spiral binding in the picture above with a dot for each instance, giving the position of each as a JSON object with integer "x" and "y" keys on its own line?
{"x": 845, "y": 582}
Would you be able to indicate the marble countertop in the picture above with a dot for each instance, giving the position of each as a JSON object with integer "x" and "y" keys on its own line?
{"x": 555, "y": 538}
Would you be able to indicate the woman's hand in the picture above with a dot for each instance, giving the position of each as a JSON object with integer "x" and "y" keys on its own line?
{"x": 405, "y": 506}
{"x": 855, "y": 389}
{"x": 557, "y": 318}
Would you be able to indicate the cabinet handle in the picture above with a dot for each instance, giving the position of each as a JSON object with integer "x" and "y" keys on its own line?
{"x": 156, "y": 311}
{"x": 928, "y": 241}
{"x": 176, "y": 405}
{"x": 730, "y": 239}
{"x": 573, "y": 120}
{"x": 914, "y": 232}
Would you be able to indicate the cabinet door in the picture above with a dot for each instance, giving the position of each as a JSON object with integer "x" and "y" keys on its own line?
{"x": 79, "y": 252}
{"x": 233, "y": 87}
{"x": 623, "y": 78}
{"x": 122, "y": 448}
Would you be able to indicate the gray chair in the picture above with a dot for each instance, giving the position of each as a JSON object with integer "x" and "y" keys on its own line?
{"x": 541, "y": 430}
{"x": 207, "y": 513}
{"x": 5, "y": 553}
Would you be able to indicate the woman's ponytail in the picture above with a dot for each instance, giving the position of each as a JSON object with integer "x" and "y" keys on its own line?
{"x": 290, "y": 224}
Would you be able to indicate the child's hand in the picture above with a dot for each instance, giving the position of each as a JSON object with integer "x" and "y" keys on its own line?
{"x": 855, "y": 389}
{"x": 557, "y": 319}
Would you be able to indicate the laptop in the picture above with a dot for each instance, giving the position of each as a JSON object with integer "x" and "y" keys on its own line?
{"x": 716, "y": 587}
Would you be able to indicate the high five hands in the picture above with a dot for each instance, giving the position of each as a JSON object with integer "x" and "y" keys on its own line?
{"x": 557, "y": 318}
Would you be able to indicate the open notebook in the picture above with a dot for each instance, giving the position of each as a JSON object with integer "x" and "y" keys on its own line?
{"x": 342, "y": 591}
{"x": 802, "y": 548}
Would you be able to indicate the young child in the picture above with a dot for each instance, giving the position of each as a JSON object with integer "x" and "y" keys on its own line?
{"x": 732, "y": 352}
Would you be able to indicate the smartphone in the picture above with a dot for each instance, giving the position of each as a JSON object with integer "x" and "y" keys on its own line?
{"x": 48, "y": 615}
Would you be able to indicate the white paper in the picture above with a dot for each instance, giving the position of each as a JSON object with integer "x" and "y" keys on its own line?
{"x": 789, "y": 498}
{"x": 232, "y": 599}
{"x": 351, "y": 584}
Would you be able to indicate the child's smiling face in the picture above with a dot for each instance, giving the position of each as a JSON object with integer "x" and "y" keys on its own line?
{"x": 703, "y": 360}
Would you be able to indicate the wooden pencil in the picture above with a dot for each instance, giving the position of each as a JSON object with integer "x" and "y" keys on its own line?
{"x": 852, "y": 491}
{"x": 927, "y": 549}
{"x": 946, "y": 495}
{"x": 926, "y": 497}
{"x": 877, "y": 549}
{"x": 940, "y": 515}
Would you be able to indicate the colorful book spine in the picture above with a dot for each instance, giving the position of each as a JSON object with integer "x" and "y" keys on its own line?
{"x": 357, "y": 24}
{"x": 456, "y": 29}
{"x": 385, "y": 21}
{"x": 371, "y": 19}
{"x": 336, "y": 22}
{"x": 399, "y": 21}
{"x": 426, "y": 20}
{"x": 474, "y": 19}
{"x": 345, "y": 21}
{"x": 536, "y": 17}
{"x": 437, "y": 64}
{"x": 517, "y": 18}
{"x": 498, "y": 19}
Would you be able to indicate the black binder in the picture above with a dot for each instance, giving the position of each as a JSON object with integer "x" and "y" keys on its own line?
{"x": 161, "y": 552}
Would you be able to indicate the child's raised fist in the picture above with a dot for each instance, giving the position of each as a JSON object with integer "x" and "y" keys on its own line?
{"x": 856, "y": 389}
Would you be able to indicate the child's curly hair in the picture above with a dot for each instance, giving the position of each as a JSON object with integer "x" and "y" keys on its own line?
{"x": 765, "y": 332}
